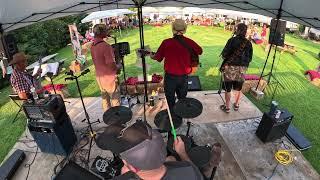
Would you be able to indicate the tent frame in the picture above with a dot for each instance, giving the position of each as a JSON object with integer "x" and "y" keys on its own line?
{"x": 100, "y": 4}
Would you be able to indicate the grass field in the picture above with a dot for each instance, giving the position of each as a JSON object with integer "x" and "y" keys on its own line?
{"x": 299, "y": 96}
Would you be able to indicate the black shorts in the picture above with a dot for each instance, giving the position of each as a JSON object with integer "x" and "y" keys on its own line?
{"x": 235, "y": 85}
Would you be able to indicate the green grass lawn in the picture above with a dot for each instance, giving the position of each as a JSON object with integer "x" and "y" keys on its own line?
{"x": 299, "y": 96}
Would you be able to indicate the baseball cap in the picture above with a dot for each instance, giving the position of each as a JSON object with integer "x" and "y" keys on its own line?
{"x": 138, "y": 144}
{"x": 179, "y": 26}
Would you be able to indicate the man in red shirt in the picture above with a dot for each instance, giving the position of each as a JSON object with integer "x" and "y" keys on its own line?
{"x": 106, "y": 68}
{"x": 177, "y": 62}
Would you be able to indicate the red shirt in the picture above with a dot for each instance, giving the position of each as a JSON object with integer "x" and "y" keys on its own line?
{"x": 103, "y": 58}
{"x": 177, "y": 59}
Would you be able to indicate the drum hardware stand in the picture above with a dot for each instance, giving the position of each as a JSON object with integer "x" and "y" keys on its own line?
{"x": 220, "y": 88}
{"x": 91, "y": 132}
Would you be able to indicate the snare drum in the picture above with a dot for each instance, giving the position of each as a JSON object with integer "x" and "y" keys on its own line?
{"x": 200, "y": 155}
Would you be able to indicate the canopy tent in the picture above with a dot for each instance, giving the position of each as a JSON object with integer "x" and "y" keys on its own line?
{"x": 231, "y": 13}
{"x": 106, "y": 14}
{"x": 16, "y": 13}
{"x": 149, "y": 10}
{"x": 170, "y": 11}
{"x": 193, "y": 10}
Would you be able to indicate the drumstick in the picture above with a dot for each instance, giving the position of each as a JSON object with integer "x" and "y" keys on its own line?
{"x": 171, "y": 122}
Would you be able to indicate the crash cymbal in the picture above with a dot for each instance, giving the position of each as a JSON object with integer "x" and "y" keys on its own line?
{"x": 162, "y": 121}
{"x": 188, "y": 108}
{"x": 117, "y": 115}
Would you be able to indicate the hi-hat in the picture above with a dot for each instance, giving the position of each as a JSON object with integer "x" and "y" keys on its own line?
{"x": 162, "y": 121}
{"x": 117, "y": 115}
{"x": 188, "y": 108}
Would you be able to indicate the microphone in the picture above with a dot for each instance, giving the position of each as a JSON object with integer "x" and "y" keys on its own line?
{"x": 70, "y": 73}
{"x": 68, "y": 79}
{"x": 85, "y": 71}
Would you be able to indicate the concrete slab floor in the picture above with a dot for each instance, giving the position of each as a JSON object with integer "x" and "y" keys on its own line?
{"x": 256, "y": 158}
{"x": 204, "y": 131}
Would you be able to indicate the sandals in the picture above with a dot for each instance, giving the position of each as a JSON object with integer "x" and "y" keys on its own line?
{"x": 235, "y": 107}
{"x": 225, "y": 109}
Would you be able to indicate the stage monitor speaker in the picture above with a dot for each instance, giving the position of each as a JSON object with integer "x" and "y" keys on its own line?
{"x": 59, "y": 139}
{"x": 10, "y": 45}
{"x": 271, "y": 129}
{"x": 72, "y": 171}
{"x": 194, "y": 83}
{"x": 10, "y": 166}
{"x": 277, "y": 35}
{"x": 297, "y": 138}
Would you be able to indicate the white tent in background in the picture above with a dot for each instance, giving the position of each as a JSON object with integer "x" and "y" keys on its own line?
{"x": 170, "y": 11}
{"x": 106, "y": 14}
{"x": 193, "y": 10}
{"x": 149, "y": 10}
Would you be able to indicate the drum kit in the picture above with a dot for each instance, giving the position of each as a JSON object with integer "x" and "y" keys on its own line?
{"x": 187, "y": 108}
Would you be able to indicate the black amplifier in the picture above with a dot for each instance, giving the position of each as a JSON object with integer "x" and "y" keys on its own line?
{"x": 46, "y": 110}
{"x": 55, "y": 138}
{"x": 271, "y": 128}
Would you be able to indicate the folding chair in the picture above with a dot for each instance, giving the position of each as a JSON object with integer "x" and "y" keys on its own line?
{"x": 15, "y": 98}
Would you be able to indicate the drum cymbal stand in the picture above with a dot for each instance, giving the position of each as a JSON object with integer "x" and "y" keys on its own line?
{"x": 91, "y": 132}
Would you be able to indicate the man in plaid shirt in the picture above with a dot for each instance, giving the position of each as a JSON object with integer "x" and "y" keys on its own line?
{"x": 20, "y": 80}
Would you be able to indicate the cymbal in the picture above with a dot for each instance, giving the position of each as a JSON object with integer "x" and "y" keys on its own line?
{"x": 117, "y": 115}
{"x": 162, "y": 121}
{"x": 188, "y": 108}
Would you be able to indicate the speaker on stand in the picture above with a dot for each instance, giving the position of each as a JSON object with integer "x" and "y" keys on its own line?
{"x": 277, "y": 32}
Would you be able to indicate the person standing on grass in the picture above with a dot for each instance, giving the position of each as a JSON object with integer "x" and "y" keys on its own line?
{"x": 237, "y": 55}
{"x": 177, "y": 61}
{"x": 106, "y": 67}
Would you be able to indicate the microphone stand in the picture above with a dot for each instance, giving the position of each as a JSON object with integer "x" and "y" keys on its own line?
{"x": 92, "y": 133}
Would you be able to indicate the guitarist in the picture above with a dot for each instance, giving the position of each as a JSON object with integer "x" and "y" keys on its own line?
{"x": 237, "y": 55}
{"x": 180, "y": 55}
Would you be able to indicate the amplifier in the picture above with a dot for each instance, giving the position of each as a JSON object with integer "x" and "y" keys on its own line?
{"x": 9, "y": 167}
{"x": 271, "y": 128}
{"x": 48, "y": 109}
{"x": 72, "y": 171}
{"x": 194, "y": 83}
{"x": 57, "y": 138}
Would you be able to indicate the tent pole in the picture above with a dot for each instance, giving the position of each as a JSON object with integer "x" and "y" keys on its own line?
{"x": 139, "y": 4}
{"x": 143, "y": 55}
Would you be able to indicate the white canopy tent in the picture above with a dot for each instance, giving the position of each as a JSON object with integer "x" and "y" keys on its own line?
{"x": 17, "y": 13}
{"x": 106, "y": 14}
{"x": 193, "y": 10}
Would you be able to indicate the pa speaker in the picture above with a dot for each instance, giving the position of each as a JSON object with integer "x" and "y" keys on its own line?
{"x": 277, "y": 32}
{"x": 194, "y": 83}
{"x": 10, "y": 45}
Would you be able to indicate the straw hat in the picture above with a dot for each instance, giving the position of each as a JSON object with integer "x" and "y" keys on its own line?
{"x": 179, "y": 26}
{"x": 17, "y": 58}
{"x": 99, "y": 29}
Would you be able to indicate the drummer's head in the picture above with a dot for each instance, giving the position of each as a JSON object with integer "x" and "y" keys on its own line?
{"x": 139, "y": 147}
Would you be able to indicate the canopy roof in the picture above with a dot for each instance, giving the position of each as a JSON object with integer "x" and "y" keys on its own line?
{"x": 17, "y": 13}
{"x": 106, "y": 14}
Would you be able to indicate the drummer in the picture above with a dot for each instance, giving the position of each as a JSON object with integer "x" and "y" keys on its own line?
{"x": 144, "y": 154}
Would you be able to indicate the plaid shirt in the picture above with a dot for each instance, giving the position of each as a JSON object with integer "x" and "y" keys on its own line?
{"x": 21, "y": 81}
